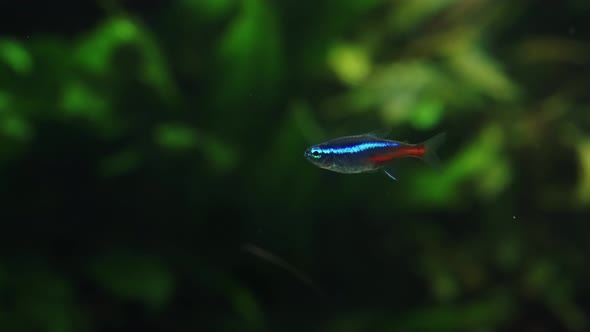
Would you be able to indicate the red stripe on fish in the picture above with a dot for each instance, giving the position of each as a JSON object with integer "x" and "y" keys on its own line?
{"x": 406, "y": 151}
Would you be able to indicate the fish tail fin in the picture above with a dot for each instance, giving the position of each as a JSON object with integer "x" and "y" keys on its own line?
{"x": 430, "y": 146}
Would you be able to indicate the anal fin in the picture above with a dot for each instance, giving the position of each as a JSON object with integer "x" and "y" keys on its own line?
{"x": 389, "y": 173}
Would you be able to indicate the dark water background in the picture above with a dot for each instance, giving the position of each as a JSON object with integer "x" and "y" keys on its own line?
{"x": 152, "y": 174}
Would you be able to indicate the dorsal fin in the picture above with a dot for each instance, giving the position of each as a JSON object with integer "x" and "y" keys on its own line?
{"x": 379, "y": 133}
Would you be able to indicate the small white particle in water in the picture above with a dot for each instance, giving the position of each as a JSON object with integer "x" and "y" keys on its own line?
{"x": 513, "y": 217}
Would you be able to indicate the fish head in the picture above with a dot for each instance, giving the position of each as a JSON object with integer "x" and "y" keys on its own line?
{"x": 319, "y": 156}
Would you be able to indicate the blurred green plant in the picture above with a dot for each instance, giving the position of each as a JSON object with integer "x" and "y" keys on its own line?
{"x": 15, "y": 55}
{"x": 201, "y": 110}
{"x": 134, "y": 278}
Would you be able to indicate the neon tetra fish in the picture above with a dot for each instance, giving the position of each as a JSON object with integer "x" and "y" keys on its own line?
{"x": 370, "y": 152}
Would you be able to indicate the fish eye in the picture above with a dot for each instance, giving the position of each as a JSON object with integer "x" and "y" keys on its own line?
{"x": 316, "y": 153}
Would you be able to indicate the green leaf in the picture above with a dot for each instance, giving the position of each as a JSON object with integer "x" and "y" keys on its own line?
{"x": 427, "y": 114}
{"x": 412, "y": 91}
{"x": 248, "y": 309}
{"x": 351, "y": 63}
{"x": 249, "y": 53}
{"x": 80, "y": 100}
{"x": 16, "y": 56}
{"x": 482, "y": 164}
{"x": 179, "y": 137}
{"x": 134, "y": 278}
{"x": 5, "y": 101}
{"x": 583, "y": 190}
{"x": 95, "y": 52}
{"x": 175, "y": 136}
{"x": 42, "y": 299}
{"x": 120, "y": 163}
{"x": 16, "y": 127}
{"x": 485, "y": 73}
{"x": 410, "y": 13}
{"x": 489, "y": 312}
{"x": 221, "y": 156}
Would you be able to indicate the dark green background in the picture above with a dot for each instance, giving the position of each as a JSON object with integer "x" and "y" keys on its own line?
{"x": 151, "y": 159}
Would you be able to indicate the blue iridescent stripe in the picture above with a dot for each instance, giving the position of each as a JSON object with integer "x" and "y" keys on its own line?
{"x": 356, "y": 148}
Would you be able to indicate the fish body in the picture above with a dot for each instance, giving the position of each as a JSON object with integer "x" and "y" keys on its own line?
{"x": 369, "y": 152}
